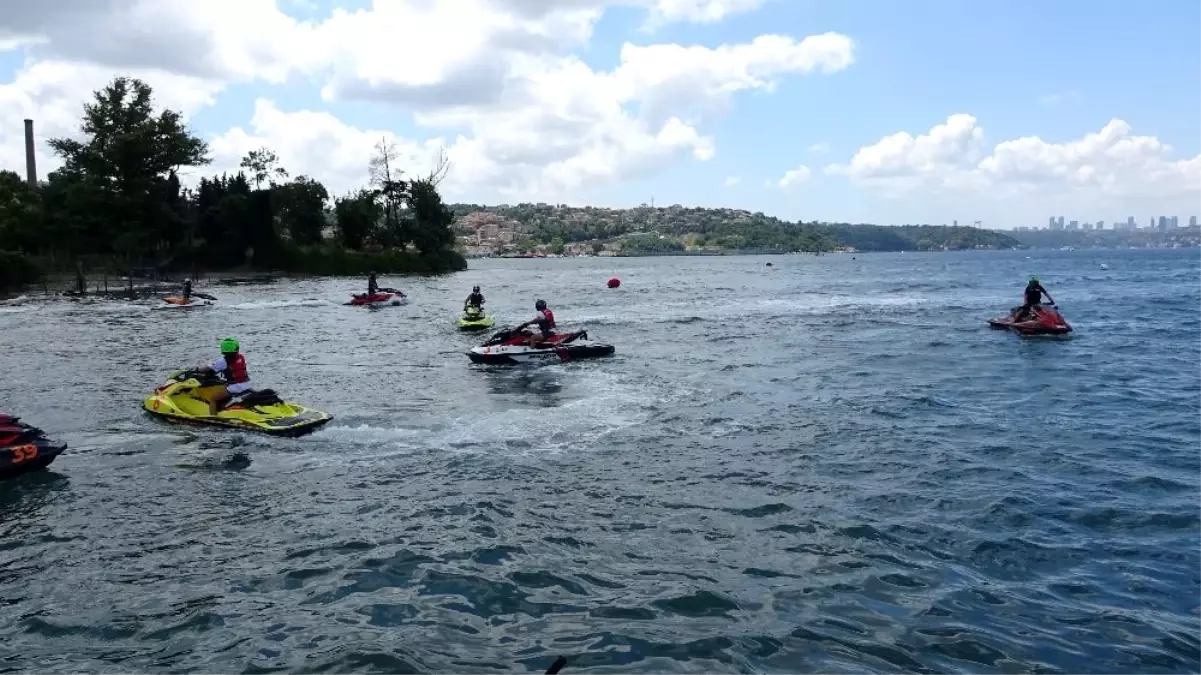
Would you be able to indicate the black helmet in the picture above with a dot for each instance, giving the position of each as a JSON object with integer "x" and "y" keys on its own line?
{"x": 475, "y": 289}
{"x": 540, "y": 305}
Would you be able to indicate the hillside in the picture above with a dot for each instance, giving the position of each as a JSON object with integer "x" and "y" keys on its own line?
{"x": 589, "y": 230}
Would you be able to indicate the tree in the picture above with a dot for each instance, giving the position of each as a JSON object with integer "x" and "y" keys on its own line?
{"x": 432, "y": 220}
{"x": 263, "y": 165}
{"x": 392, "y": 191}
{"x": 21, "y": 215}
{"x": 300, "y": 206}
{"x": 125, "y": 167}
{"x": 357, "y": 216}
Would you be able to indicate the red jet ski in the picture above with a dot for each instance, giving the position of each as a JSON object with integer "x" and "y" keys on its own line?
{"x": 510, "y": 346}
{"x": 1043, "y": 320}
{"x": 24, "y": 448}
{"x": 383, "y": 298}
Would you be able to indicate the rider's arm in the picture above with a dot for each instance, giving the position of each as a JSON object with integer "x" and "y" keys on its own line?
{"x": 218, "y": 366}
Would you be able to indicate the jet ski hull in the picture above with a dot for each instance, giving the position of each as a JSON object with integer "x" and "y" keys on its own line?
{"x": 186, "y": 401}
{"x": 514, "y": 355}
{"x": 176, "y": 302}
{"x": 381, "y": 299}
{"x": 1045, "y": 320}
{"x": 510, "y": 347}
{"x": 24, "y": 448}
{"x": 474, "y": 322}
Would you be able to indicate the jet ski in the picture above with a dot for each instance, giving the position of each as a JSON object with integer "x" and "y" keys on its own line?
{"x": 186, "y": 394}
{"x": 1043, "y": 320}
{"x": 384, "y": 297}
{"x": 178, "y": 302}
{"x": 511, "y": 346}
{"x": 475, "y": 319}
{"x": 24, "y": 448}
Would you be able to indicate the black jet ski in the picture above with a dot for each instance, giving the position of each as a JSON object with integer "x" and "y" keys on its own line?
{"x": 24, "y": 448}
{"x": 512, "y": 346}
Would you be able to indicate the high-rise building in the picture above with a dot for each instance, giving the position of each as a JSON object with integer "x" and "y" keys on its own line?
{"x": 1175, "y": 222}
{"x": 1100, "y": 224}
{"x": 1163, "y": 223}
{"x": 1073, "y": 225}
{"x": 1057, "y": 224}
{"x": 1088, "y": 226}
{"x": 1192, "y": 221}
{"x": 1130, "y": 224}
{"x": 1051, "y": 223}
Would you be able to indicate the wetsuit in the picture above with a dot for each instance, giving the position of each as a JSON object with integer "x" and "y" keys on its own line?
{"x": 474, "y": 300}
{"x": 1033, "y": 298}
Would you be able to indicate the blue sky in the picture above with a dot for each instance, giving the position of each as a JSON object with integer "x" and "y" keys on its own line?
{"x": 1053, "y": 70}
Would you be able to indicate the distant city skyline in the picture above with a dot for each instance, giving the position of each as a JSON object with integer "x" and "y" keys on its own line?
{"x": 1160, "y": 223}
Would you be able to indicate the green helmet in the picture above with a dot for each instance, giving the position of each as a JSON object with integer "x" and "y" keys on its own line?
{"x": 1033, "y": 280}
{"x": 229, "y": 346}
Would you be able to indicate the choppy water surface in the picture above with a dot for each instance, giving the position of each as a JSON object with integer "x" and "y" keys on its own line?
{"x": 827, "y": 465}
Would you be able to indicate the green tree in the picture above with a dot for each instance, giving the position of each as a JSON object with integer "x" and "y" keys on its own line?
{"x": 357, "y": 216}
{"x": 21, "y": 215}
{"x": 263, "y": 165}
{"x": 124, "y": 167}
{"x": 431, "y": 228}
{"x": 300, "y": 206}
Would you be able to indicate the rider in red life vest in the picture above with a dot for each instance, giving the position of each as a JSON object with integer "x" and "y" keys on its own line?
{"x": 233, "y": 366}
{"x": 546, "y": 324}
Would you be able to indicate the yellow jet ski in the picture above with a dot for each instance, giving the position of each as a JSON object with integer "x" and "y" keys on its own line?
{"x": 474, "y": 319}
{"x": 185, "y": 398}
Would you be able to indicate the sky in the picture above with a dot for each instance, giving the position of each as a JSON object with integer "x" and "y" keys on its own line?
{"x": 1005, "y": 112}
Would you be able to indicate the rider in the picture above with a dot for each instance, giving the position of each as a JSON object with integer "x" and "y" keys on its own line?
{"x": 476, "y": 299}
{"x": 372, "y": 285}
{"x": 233, "y": 366}
{"x": 1033, "y": 298}
{"x": 186, "y": 292}
{"x": 546, "y": 323}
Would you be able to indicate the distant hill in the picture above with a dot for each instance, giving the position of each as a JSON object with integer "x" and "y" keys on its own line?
{"x": 559, "y": 228}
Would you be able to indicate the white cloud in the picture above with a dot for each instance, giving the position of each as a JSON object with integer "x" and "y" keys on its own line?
{"x": 943, "y": 157}
{"x": 731, "y": 181}
{"x": 794, "y": 177}
{"x": 697, "y": 11}
{"x": 317, "y": 144}
{"x": 1112, "y": 168}
{"x": 819, "y": 148}
{"x": 698, "y": 79}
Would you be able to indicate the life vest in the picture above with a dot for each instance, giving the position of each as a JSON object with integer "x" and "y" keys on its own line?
{"x": 1034, "y": 295}
{"x": 235, "y": 370}
{"x": 547, "y": 322}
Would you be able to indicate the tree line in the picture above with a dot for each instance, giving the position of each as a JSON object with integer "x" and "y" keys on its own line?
{"x": 117, "y": 202}
{"x": 673, "y": 228}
